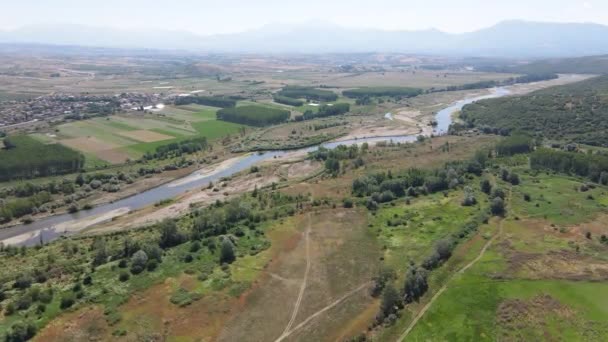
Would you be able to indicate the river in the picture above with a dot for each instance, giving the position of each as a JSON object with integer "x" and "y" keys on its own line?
{"x": 52, "y": 227}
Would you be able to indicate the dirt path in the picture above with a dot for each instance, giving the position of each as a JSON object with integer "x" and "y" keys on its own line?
{"x": 445, "y": 286}
{"x": 296, "y": 308}
{"x": 311, "y": 317}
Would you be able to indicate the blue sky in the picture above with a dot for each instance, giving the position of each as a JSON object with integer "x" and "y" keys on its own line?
{"x": 225, "y": 16}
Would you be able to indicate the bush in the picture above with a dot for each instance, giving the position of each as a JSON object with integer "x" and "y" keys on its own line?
{"x": 139, "y": 261}
{"x": 20, "y": 332}
{"x": 152, "y": 265}
{"x": 23, "y": 282}
{"x": 347, "y": 202}
{"x": 123, "y": 276}
{"x": 227, "y": 252}
{"x": 498, "y": 206}
{"x": 67, "y": 300}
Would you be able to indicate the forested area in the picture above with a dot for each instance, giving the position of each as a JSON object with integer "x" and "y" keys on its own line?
{"x": 288, "y": 100}
{"x": 213, "y": 101}
{"x": 325, "y": 111}
{"x": 308, "y": 93}
{"x": 575, "y": 113}
{"x": 254, "y": 115}
{"x": 382, "y": 91}
{"x": 178, "y": 148}
{"x": 25, "y": 157}
{"x": 593, "y": 166}
{"x": 528, "y": 78}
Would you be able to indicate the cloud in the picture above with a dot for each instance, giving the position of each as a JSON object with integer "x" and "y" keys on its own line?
{"x": 587, "y": 5}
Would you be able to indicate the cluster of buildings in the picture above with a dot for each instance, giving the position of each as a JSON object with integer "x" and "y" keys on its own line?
{"x": 19, "y": 112}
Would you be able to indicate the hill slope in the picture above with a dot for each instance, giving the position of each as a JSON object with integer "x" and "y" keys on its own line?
{"x": 571, "y": 113}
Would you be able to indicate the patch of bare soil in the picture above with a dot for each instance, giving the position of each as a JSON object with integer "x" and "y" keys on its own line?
{"x": 532, "y": 316}
{"x": 87, "y": 324}
{"x": 335, "y": 289}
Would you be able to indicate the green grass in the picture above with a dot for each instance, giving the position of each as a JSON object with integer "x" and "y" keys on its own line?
{"x": 557, "y": 199}
{"x": 215, "y": 129}
{"x": 91, "y": 162}
{"x": 467, "y": 310}
{"x": 428, "y": 220}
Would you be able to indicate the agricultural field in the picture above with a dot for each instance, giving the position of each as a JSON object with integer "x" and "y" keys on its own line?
{"x": 118, "y": 138}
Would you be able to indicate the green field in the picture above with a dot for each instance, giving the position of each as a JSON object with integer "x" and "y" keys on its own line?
{"x": 119, "y": 137}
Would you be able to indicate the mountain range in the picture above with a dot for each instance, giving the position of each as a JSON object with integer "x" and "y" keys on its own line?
{"x": 512, "y": 38}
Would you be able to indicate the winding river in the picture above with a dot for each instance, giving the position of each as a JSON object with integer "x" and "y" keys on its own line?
{"x": 52, "y": 227}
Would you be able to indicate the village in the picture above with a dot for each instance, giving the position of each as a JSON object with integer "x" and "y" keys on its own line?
{"x": 55, "y": 107}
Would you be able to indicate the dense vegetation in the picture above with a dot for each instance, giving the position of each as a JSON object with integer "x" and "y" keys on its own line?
{"x": 178, "y": 148}
{"x": 288, "y": 101}
{"x": 308, "y": 93}
{"x": 382, "y": 91}
{"x": 213, "y": 101}
{"x": 593, "y": 166}
{"x": 254, "y": 115}
{"x": 576, "y": 113}
{"x": 579, "y": 65}
{"x": 24, "y": 157}
{"x": 325, "y": 111}
{"x": 38, "y": 284}
{"x": 528, "y": 78}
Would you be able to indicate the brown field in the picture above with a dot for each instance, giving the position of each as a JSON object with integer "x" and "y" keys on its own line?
{"x": 86, "y": 324}
{"x": 145, "y": 135}
{"x": 88, "y": 144}
{"x": 335, "y": 285}
{"x": 114, "y": 156}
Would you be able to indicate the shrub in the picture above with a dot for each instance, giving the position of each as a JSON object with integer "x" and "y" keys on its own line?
{"x": 123, "y": 276}
{"x": 20, "y": 332}
{"x": 498, "y": 206}
{"x": 347, "y": 202}
{"x": 227, "y": 252}
{"x": 67, "y": 300}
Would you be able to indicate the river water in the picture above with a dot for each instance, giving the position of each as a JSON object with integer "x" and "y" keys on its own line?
{"x": 52, "y": 227}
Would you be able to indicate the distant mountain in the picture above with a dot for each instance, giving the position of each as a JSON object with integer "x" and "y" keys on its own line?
{"x": 507, "y": 39}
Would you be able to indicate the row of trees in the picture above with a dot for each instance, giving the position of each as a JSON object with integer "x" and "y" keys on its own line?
{"x": 288, "y": 101}
{"x": 213, "y": 101}
{"x": 325, "y": 111}
{"x": 176, "y": 149}
{"x": 308, "y": 93}
{"x": 382, "y": 91}
{"x": 254, "y": 115}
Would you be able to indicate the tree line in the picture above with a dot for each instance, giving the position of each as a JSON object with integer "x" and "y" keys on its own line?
{"x": 593, "y": 166}
{"x": 254, "y": 115}
{"x": 325, "y": 111}
{"x": 308, "y": 93}
{"x": 213, "y": 101}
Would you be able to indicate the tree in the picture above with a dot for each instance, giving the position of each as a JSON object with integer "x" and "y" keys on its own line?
{"x": 101, "y": 254}
{"x": 227, "y": 252}
{"x": 415, "y": 284}
{"x": 390, "y": 301}
{"x": 169, "y": 234}
{"x": 514, "y": 179}
{"x": 138, "y": 262}
{"x": 498, "y": 206}
{"x": 486, "y": 186}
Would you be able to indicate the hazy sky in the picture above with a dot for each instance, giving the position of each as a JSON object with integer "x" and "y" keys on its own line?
{"x": 223, "y": 16}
